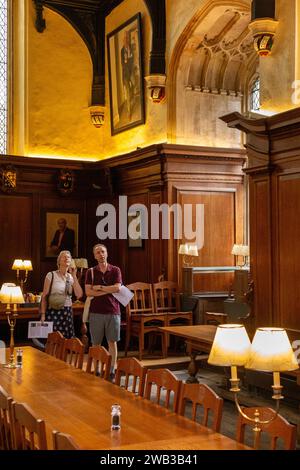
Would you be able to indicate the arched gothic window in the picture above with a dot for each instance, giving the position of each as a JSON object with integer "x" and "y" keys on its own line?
{"x": 3, "y": 74}
{"x": 255, "y": 95}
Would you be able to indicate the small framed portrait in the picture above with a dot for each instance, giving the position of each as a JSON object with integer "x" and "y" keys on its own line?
{"x": 60, "y": 231}
{"x": 135, "y": 239}
{"x": 126, "y": 87}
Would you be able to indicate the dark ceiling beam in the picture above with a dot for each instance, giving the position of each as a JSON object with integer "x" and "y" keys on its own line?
{"x": 157, "y": 10}
{"x": 88, "y": 19}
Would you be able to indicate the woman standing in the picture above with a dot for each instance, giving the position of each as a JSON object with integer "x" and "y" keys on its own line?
{"x": 56, "y": 303}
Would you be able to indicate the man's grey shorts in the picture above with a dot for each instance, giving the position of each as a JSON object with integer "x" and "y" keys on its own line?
{"x": 108, "y": 325}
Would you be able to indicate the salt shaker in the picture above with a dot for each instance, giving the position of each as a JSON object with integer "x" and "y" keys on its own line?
{"x": 19, "y": 357}
{"x": 115, "y": 417}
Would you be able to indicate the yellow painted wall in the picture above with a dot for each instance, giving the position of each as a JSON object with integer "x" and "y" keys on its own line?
{"x": 52, "y": 116}
{"x": 154, "y": 131}
{"x": 59, "y": 91}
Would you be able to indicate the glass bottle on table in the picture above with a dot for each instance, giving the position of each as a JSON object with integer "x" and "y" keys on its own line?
{"x": 115, "y": 417}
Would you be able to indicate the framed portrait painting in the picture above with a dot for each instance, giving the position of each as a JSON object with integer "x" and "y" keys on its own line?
{"x": 126, "y": 86}
{"x": 59, "y": 233}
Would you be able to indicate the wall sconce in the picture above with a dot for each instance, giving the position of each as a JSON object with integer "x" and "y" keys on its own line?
{"x": 97, "y": 115}
{"x": 241, "y": 250}
{"x": 263, "y": 30}
{"x": 189, "y": 252}
{"x": 270, "y": 351}
{"x": 11, "y": 294}
{"x": 157, "y": 87}
{"x": 20, "y": 265}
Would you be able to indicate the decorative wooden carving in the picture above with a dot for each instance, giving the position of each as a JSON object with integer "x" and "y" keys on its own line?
{"x": 8, "y": 178}
{"x": 65, "y": 182}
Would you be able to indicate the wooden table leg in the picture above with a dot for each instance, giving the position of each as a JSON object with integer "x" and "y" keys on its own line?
{"x": 192, "y": 369}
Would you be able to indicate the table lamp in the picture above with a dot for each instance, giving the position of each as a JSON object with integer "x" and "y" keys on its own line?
{"x": 11, "y": 294}
{"x": 188, "y": 252}
{"x": 270, "y": 351}
{"x": 23, "y": 266}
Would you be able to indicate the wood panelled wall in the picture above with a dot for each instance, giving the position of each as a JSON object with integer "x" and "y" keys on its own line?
{"x": 154, "y": 175}
{"x": 273, "y": 147}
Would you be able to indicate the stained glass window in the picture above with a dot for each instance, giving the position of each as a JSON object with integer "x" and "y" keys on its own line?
{"x": 255, "y": 96}
{"x": 3, "y": 75}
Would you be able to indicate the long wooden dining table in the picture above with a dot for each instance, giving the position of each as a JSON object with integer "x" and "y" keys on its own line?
{"x": 75, "y": 402}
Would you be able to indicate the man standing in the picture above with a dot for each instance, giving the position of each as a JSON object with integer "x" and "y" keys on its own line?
{"x": 64, "y": 238}
{"x": 101, "y": 282}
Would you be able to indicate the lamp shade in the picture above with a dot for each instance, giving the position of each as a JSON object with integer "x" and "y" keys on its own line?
{"x": 231, "y": 346}
{"x": 183, "y": 249}
{"x": 27, "y": 265}
{"x": 11, "y": 294}
{"x": 17, "y": 264}
{"x": 245, "y": 250}
{"x": 193, "y": 250}
{"x": 271, "y": 351}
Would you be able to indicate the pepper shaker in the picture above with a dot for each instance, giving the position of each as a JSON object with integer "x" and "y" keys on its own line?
{"x": 19, "y": 358}
{"x": 115, "y": 417}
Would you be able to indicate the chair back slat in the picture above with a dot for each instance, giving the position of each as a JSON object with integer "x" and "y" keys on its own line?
{"x": 99, "y": 362}
{"x": 73, "y": 352}
{"x": 29, "y": 431}
{"x": 6, "y": 431}
{"x": 55, "y": 344}
{"x": 202, "y": 395}
{"x": 278, "y": 428}
{"x": 166, "y": 296}
{"x": 166, "y": 381}
{"x": 131, "y": 367}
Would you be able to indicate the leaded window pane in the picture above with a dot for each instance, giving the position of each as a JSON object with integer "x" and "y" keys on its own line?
{"x": 255, "y": 96}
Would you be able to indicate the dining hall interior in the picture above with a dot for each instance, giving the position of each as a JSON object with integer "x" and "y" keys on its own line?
{"x": 157, "y": 141}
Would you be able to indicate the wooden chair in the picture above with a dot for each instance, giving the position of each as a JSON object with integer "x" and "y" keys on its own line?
{"x": 131, "y": 367}
{"x": 55, "y": 344}
{"x": 73, "y": 352}
{"x": 166, "y": 300}
{"x": 202, "y": 395}
{"x": 6, "y": 432}
{"x": 99, "y": 362}
{"x": 164, "y": 379}
{"x": 279, "y": 428}
{"x": 63, "y": 441}
{"x": 141, "y": 318}
{"x": 29, "y": 431}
